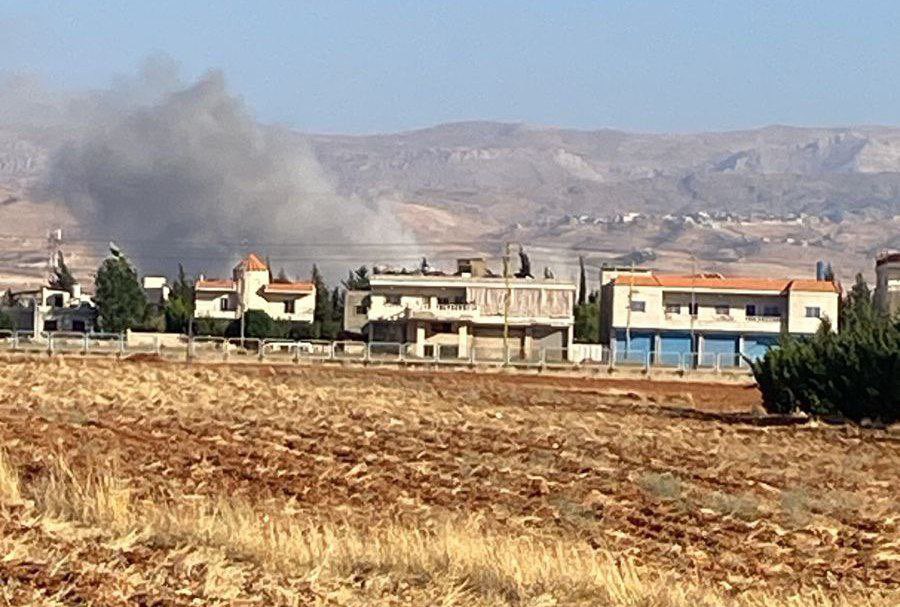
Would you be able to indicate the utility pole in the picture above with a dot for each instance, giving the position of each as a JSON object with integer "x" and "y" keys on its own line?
{"x": 506, "y": 299}
{"x": 693, "y": 310}
{"x": 628, "y": 313}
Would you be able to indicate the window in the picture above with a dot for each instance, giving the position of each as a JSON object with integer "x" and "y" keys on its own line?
{"x": 79, "y": 326}
{"x": 771, "y": 311}
{"x": 750, "y": 310}
{"x": 50, "y": 325}
{"x": 224, "y": 304}
{"x": 673, "y": 308}
{"x": 813, "y": 312}
{"x": 638, "y": 306}
{"x": 441, "y": 327}
{"x": 693, "y": 308}
{"x": 289, "y": 306}
{"x": 723, "y": 309}
{"x": 392, "y": 300}
{"x": 361, "y": 310}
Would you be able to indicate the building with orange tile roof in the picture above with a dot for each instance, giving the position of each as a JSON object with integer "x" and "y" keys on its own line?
{"x": 251, "y": 288}
{"x": 709, "y": 319}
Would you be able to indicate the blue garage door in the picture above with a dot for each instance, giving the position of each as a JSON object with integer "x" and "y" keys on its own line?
{"x": 726, "y": 345}
{"x": 636, "y": 351}
{"x": 673, "y": 348}
{"x": 756, "y": 346}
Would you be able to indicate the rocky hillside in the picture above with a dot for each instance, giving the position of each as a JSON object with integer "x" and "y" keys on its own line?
{"x": 774, "y": 169}
{"x": 770, "y": 200}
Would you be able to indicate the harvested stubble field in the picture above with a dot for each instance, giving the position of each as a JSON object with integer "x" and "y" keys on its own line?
{"x": 158, "y": 484}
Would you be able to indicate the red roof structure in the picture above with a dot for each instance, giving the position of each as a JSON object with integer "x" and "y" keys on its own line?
{"x": 252, "y": 263}
{"x": 715, "y": 281}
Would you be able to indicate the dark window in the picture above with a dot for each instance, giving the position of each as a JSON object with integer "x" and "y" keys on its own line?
{"x": 78, "y": 326}
{"x": 813, "y": 312}
{"x": 392, "y": 300}
{"x": 673, "y": 308}
{"x": 50, "y": 325}
{"x": 224, "y": 304}
{"x": 771, "y": 311}
{"x": 289, "y": 306}
{"x": 443, "y": 301}
{"x": 441, "y": 327}
{"x": 750, "y": 310}
{"x": 723, "y": 309}
{"x": 693, "y": 308}
{"x": 361, "y": 310}
{"x": 638, "y": 306}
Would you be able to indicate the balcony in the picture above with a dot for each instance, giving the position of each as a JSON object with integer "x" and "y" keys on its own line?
{"x": 770, "y": 318}
{"x": 443, "y": 311}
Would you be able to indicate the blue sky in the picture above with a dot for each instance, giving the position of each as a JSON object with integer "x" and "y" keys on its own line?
{"x": 362, "y": 67}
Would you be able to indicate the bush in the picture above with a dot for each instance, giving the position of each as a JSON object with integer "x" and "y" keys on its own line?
{"x": 854, "y": 374}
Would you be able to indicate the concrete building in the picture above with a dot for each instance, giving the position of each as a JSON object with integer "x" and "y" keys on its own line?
{"x": 156, "y": 290}
{"x": 251, "y": 288}
{"x": 887, "y": 282}
{"x": 47, "y": 309}
{"x": 462, "y": 311}
{"x": 718, "y": 318}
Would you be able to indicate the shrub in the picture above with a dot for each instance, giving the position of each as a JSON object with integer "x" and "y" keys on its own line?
{"x": 854, "y": 374}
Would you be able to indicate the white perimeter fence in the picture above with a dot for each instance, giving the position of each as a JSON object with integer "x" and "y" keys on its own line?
{"x": 170, "y": 346}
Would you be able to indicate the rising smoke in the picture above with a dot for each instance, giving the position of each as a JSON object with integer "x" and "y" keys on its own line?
{"x": 182, "y": 172}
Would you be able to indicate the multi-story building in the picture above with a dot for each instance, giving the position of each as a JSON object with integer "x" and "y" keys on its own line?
{"x": 48, "y": 309}
{"x": 716, "y": 318}
{"x": 251, "y": 288}
{"x": 887, "y": 282}
{"x": 466, "y": 310}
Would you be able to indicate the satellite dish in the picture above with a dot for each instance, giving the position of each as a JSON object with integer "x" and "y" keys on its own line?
{"x": 114, "y": 250}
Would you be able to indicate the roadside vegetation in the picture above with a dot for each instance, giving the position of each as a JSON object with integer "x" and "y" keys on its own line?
{"x": 854, "y": 374}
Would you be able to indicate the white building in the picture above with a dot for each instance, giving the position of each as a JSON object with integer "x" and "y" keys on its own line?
{"x": 251, "y": 288}
{"x": 718, "y": 318}
{"x": 887, "y": 282}
{"x": 156, "y": 290}
{"x": 466, "y": 310}
{"x": 48, "y": 309}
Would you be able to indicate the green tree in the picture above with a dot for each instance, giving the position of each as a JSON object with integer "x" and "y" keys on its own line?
{"x": 854, "y": 373}
{"x": 257, "y": 324}
{"x": 357, "y": 280}
{"x": 587, "y": 322}
{"x": 324, "y": 325}
{"x": 582, "y": 282}
{"x": 62, "y": 278}
{"x": 119, "y": 297}
{"x": 179, "y": 310}
{"x": 6, "y": 322}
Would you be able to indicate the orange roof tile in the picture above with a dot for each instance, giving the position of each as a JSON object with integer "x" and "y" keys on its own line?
{"x": 706, "y": 281}
{"x": 252, "y": 263}
{"x": 214, "y": 284}
{"x": 291, "y": 287}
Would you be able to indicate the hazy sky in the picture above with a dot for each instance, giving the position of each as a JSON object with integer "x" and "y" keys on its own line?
{"x": 384, "y": 66}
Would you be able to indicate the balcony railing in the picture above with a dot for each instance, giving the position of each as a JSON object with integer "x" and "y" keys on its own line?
{"x": 770, "y": 318}
{"x": 454, "y": 307}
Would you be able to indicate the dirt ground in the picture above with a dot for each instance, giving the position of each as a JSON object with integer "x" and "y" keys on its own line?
{"x": 633, "y": 467}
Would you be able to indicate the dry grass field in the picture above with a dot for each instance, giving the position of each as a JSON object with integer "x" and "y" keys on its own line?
{"x": 157, "y": 484}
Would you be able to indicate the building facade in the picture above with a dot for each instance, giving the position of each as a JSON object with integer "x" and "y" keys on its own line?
{"x": 452, "y": 314}
{"x": 251, "y": 288}
{"x": 49, "y": 310}
{"x": 887, "y": 282}
{"x": 708, "y": 318}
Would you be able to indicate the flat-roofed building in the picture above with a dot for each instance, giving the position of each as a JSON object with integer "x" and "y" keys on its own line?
{"x": 466, "y": 310}
{"x": 251, "y": 288}
{"x": 887, "y": 282}
{"x": 718, "y": 319}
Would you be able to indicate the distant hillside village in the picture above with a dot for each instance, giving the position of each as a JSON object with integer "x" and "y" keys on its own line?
{"x": 635, "y": 314}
